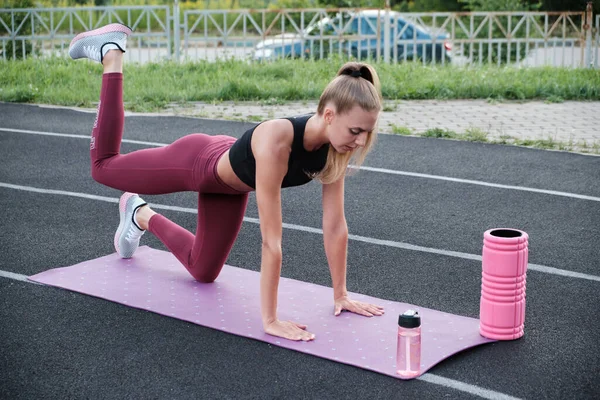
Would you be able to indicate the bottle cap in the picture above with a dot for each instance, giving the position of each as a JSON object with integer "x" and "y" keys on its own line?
{"x": 410, "y": 319}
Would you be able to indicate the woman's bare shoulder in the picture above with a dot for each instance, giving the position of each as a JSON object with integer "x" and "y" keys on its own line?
{"x": 275, "y": 132}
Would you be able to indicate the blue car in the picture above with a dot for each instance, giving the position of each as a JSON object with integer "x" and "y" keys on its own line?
{"x": 356, "y": 34}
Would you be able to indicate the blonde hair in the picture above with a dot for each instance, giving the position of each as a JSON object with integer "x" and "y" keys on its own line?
{"x": 355, "y": 84}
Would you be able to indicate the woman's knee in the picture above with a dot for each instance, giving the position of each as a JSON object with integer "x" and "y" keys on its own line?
{"x": 204, "y": 277}
{"x": 205, "y": 273}
{"x": 98, "y": 172}
{"x": 102, "y": 174}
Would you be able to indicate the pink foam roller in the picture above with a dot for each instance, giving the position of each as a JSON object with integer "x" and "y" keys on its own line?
{"x": 502, "y": 315}
{"x": 499, "y": 299}
{"x": 493, "y": 289}
{"x": 503, "y": 284}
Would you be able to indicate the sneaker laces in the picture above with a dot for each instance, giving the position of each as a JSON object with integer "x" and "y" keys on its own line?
{"x": 133, "y": 233}
{"x": 92, "y": 52}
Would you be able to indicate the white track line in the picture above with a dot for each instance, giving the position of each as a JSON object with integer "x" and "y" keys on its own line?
{"x": 365, "y": 239}
{"x": 482, "y": 183}
{"x": 16, "y": 277}
{"x": 69, "y": 135}
{"x": 465, "y": 387}
{"x": 371, "y": 169}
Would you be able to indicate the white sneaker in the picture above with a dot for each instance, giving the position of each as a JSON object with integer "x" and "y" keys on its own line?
{"x": 95, "y": 44}
{"x": 127, "y": 237}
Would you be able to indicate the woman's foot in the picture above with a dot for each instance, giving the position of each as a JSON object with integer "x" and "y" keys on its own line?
{"x": 113, "y": 62}
{"x": 127, "y": 237}
{"x": 96, "y": 43}
{"x": 143, "y": 215}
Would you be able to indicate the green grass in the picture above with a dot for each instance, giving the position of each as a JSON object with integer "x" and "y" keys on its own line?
{"x": 475, "y": 134}
{"x": 153, "y": 87}
{"x": 388, "y": 107}
{"x": 440, "y": 133}
{"x": 254, "y": 118}
{"x": 401, "y": 130}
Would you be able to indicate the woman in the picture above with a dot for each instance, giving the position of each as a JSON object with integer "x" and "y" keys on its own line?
{"x": 273, "y": 155}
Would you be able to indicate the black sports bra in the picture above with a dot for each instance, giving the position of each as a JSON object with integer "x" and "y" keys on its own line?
{"x": 300, "y": 162}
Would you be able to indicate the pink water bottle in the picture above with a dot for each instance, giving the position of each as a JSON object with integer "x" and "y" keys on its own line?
{"x": 504, "y": 268}
{"x": 408, "y": 352}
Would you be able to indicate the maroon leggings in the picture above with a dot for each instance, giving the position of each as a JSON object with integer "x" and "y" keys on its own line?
{"x": 188, "y": 164}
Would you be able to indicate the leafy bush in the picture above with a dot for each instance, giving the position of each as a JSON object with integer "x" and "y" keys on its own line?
{"x": 17, "y": 49}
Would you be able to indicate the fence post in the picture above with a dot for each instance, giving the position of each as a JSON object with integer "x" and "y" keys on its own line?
{"x": 176, "y": 29}
{"x": 596, "y": 45}
{"x": 386, "y": 33}
{"x": 588, "y": 35}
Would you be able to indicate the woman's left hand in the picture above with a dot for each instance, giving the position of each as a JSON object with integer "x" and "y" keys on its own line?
{"x": 357, "y": 307}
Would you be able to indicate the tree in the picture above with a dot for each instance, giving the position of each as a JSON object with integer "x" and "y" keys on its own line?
{"x": 426, "y": 5}
{"x": 569, "y": 5}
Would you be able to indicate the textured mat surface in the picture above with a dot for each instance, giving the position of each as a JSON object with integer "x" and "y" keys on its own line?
{"x": 153, "y": 280}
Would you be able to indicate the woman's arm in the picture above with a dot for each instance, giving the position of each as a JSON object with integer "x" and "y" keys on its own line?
{"x": 335, "y": 235}
{"x": 335, "y": 238}
{"x": 271, "y": 155}
{"x": 271, "y": 146}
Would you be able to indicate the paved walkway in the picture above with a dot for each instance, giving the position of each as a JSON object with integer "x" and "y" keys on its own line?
{"x": 571, "y": 125}
{"x": 574, "y": 123}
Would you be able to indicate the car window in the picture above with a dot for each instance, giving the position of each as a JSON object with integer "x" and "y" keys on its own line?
{"x": 329, "y": 28}
{"x": 368, "y": 26}
{"x": 359, "y": 25}
{"x": 326, "y": 26}
{"x": 408, "y": 32}
{"x": 347, "y": 26}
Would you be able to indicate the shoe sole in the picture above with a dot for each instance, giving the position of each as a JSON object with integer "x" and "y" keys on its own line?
{"x": 122, "y": 222}
{"x": 101, "y": 31}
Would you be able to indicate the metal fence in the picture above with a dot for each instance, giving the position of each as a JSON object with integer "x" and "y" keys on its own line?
{"x": 266, "y": 34}
{"x": 166, "y": 33}
{"x": 528, "y": 38}
{"x": 44, "y": 32}
{"x": 519, "y": 38}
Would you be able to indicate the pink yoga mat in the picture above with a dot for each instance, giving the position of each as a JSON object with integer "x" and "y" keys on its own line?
{"x": 154, "y": 280}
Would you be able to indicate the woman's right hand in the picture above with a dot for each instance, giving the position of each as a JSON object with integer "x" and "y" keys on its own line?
{"x": 288, "y": 330}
